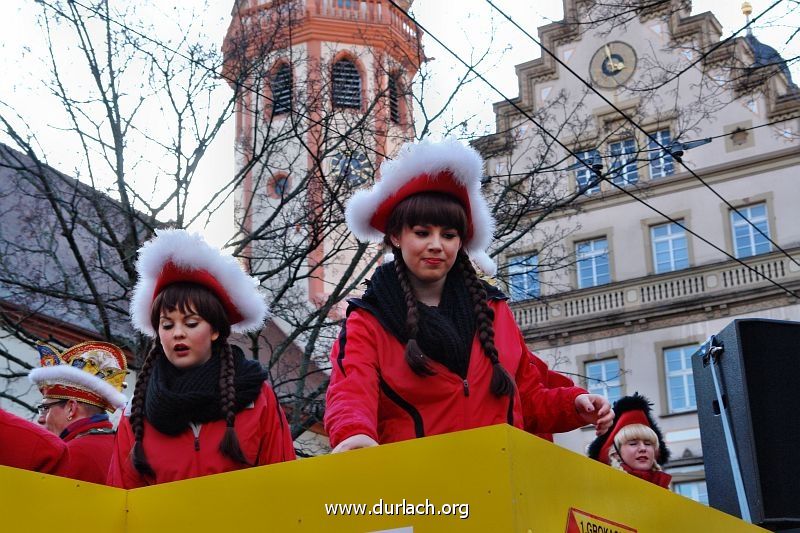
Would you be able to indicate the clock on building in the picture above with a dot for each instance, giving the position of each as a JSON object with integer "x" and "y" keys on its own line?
{"x": 612, "y": 65}
{"x": 353, "y": 166}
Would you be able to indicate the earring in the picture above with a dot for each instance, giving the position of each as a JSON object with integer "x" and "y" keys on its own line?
{"x": 69, "y": 417}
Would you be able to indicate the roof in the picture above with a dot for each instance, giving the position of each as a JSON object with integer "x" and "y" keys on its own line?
{"x": 60, "y": 248}
{"x": 765, "y": 55}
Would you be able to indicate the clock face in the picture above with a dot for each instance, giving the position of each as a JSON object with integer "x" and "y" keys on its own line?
{"x": 612, "y": 65}
{"x": 353, "y": 166}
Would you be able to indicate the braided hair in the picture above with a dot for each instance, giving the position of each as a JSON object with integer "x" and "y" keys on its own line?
{"x": 501, "y": 384}
{"x": 417, "y": 360}
{"x": 138, "y": 457}
{"x": 187, "y": 297}
{"x": 443, "y": 210}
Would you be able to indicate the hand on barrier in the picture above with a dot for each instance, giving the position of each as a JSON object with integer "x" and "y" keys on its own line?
{"x": 595, "y": 409}
{"x": 355, "y": 442}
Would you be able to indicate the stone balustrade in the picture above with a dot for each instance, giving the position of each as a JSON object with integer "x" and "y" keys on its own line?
{"x": 662, "y": 290}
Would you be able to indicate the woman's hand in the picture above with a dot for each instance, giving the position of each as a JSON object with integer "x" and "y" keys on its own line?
{"x": 355, "y": 442}
{"x": 595, "y": 409}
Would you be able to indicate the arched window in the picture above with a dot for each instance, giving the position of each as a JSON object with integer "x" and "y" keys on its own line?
{"x": 346, "y": 85}
{"x": 394, "y": 99}
{"x": 282, "y": 90}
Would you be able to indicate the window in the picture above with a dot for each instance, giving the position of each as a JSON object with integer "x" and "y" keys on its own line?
{"x": 623, "y": 169}
{"x": 680, "y": 383}
{"x": 747, "y": 240}
{"x": 669, "y": 247}
{"x": 602, "y": 377}
{"x": 278, "y": 186}
{"x": 592, "y": 257}
{"x": 661, "y": 163}
{"x": 394, "y": 100}
{"x": 523, "y": 277}
{"x": 696, "y": 490}
{"x": 346, "y": 85}
{"x": 282, "y": 90}
{"x": 583, "y": 176}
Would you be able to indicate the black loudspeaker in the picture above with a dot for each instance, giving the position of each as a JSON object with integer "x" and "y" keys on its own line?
{"x": 759, "y": 374}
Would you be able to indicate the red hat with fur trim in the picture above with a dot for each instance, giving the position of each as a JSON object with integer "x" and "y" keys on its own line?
{"x": 90, "y": 372}
{"x": 174, "y": 256}
{"x": 629, "y": 410}
{"x": 447, "y": 167}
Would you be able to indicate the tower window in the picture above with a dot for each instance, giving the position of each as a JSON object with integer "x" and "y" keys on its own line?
{"x": 282, "y": 90}
{"x": 346, "y": 85}
{"x": 394, "y": 100}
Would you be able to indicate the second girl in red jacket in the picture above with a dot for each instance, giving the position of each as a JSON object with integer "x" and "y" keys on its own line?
{"x": 430, "y": 348}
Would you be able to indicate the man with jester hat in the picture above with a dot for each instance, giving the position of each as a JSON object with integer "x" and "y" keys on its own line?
{"x": 75, "y": 437}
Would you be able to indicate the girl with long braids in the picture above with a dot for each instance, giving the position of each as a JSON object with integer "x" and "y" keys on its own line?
{"x": 199, "y": 407}
{"x": 430, "y": 348}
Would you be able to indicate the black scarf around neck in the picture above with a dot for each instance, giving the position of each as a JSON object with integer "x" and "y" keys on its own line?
{"x": 445, "y": 332}
{"x": 176, "y": 397}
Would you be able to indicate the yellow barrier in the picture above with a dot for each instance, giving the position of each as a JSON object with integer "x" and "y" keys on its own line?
{"x": 494, "y": 479}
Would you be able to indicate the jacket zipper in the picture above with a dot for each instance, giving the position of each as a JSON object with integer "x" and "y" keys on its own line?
{"x": 196, "y": 431}
{"x": 466, "y": 387}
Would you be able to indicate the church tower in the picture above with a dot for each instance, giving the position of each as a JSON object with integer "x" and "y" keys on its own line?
{"x": 323, "y": 96}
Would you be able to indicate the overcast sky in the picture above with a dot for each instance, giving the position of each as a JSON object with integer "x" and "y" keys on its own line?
{"x": 465, "y": 26}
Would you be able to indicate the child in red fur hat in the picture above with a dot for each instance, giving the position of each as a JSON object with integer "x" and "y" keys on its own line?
{"x": 634, "y": 443}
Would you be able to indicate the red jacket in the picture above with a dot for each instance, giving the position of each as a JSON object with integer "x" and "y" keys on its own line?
{"x": 373, "y": 391}
{"x": 263, "y": 435}
{"x": 551, "y": 380}
{"x": 84, "y": 452}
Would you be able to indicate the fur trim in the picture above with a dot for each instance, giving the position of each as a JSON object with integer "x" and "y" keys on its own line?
{"x": 637, "y": 402}
{"x": 191, "y": 251}
{"x": 484, "y": 262}
{"x": 426, "y": 157}
{"x": 74, "y": 377}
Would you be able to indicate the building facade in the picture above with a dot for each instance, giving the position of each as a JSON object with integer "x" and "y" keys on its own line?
{"x": 628, "y": 274}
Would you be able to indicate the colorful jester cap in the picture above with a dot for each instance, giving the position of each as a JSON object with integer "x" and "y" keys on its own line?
{"x": 90, "y": 372}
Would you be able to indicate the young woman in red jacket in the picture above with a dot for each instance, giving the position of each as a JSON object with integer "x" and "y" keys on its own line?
{"x": 199, "y": 406}
{"x": 430, "y": 348}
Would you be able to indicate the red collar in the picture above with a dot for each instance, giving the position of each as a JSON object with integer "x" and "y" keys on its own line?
{"x": 657, "y": 477}
{"x": 84, "y": 425}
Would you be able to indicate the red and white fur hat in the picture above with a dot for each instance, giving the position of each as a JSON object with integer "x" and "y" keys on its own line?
{"x": 448, "y": 167}
{"x": 175, "y": 255}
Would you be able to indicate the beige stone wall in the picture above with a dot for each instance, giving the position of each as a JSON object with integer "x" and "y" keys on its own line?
{"x": 639, "y": 314}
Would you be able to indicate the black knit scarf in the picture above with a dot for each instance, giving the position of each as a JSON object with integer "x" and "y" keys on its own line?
{"x": 445, "y": 332}
{"x": 176, "y": 397}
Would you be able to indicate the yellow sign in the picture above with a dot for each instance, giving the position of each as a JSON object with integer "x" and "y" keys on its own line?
{"x": 581, "y": 522}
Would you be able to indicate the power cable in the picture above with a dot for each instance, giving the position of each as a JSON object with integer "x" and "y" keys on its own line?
{"x": 211, "y": 70}
{"x": 653, "y": 140}
{"x": 482, "y": 78}
{"x": 621, "y": 188}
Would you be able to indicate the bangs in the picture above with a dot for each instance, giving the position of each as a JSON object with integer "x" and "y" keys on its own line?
{"x": 431, "y": 208}
{"x": 636, "y": 432}
{"x": 190, "y": 298}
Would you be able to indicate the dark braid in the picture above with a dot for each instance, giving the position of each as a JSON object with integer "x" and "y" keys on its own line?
{"x": 417, "y": 360}
{"x": 229, "y": 445}
{"x": 502, "y": 384}
{"x": 138, "y": 457}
